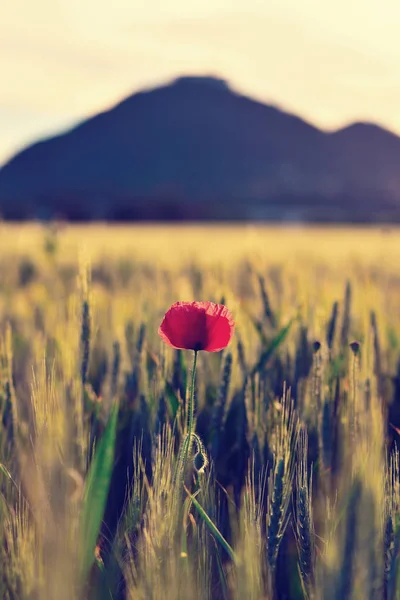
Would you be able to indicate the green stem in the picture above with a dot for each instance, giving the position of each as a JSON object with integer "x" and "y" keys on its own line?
{"x": 354, "y": 403}
{"x": 191, "y": 398}
{"x": 186, "y": 445}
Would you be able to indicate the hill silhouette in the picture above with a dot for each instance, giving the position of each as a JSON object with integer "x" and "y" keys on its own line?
{"x": 195, "y": 149}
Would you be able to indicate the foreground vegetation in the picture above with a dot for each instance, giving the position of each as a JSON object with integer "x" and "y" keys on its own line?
{"x": 293, "y": 489}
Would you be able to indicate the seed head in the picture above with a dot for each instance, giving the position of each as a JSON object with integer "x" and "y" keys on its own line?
{"x": 355, "y": 347}
{"x": 316, "y": 346}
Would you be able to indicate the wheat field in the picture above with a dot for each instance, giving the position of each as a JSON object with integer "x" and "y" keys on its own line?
{"x": 293, "y": 487}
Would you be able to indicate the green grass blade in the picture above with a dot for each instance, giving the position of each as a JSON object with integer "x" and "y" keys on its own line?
{"x": 394, "y": 575}
{"x": 173, "y": 400}
{"x": 96, "y": 492}
{"x": 213, "y": 529}
{"x": 222, "y": 577}
{"x": 274, "y": 344}
{"x": 258, "y": 326}
{"x": 5, "y": 471}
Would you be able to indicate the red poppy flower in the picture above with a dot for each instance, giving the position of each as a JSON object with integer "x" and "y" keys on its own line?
{"x": 197, "y": 326}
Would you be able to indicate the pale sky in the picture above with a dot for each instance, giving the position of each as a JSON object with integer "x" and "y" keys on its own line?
{"x": 329, "y": 61}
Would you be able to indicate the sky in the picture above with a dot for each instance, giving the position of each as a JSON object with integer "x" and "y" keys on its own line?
{"x": 330, "y": 61}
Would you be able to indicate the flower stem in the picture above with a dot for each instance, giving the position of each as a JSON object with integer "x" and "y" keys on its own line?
{"x": 191, "y": 398}
{"x": 187, "y": 443}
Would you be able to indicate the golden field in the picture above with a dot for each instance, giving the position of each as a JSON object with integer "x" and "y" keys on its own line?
{"x": 298, "y": 495}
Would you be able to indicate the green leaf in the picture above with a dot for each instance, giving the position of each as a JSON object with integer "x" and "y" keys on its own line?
{"x": 274, "y": 344}
{"x": 213, "y": 529}
{"x": 96, "y": 492}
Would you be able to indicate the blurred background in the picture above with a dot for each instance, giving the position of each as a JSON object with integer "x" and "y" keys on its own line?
{"x": 200, "y": 111}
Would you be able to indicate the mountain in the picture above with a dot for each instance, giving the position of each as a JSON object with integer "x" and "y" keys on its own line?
{"x": 195, "y": 149}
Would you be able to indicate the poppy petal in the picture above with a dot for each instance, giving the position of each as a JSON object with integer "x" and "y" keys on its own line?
{"x": 184, "y": 327}
{"x": 197, "y": 326}
{"x": 220, "y": 327}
